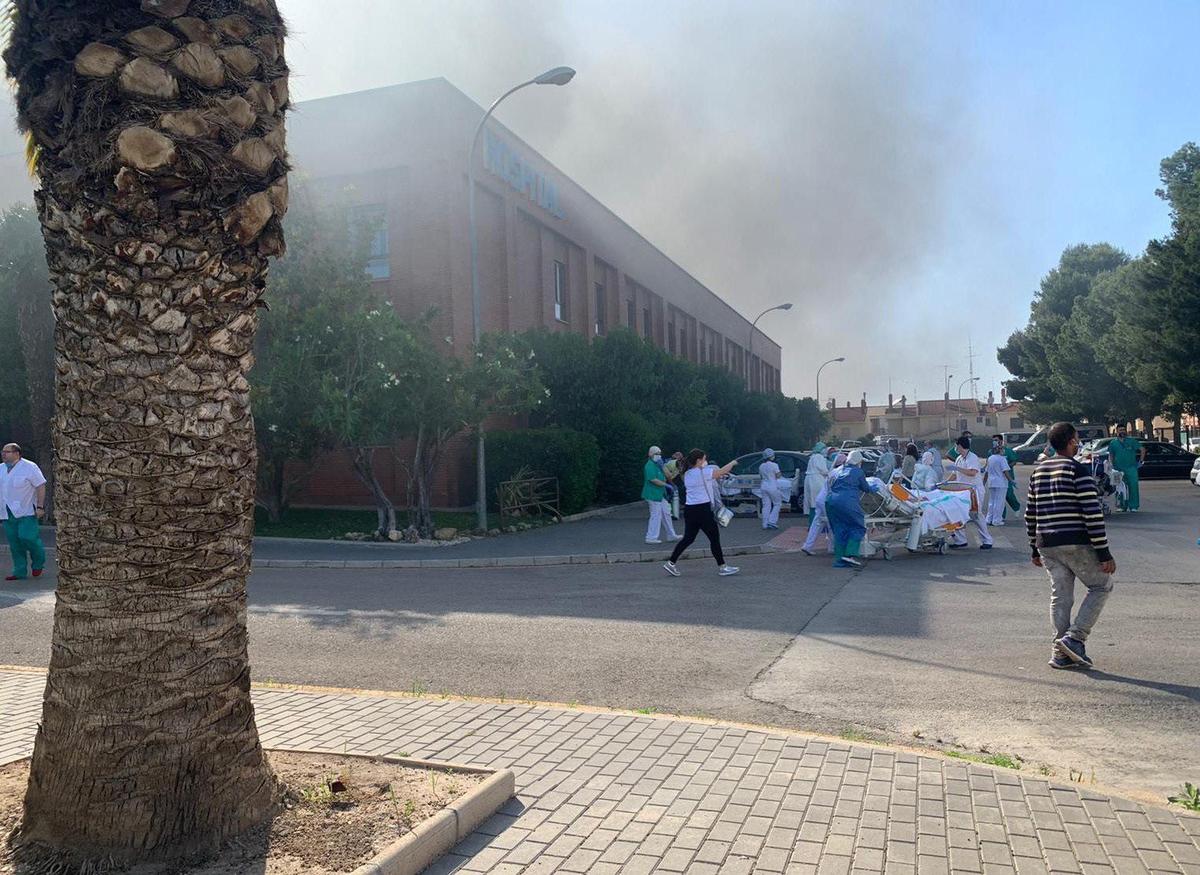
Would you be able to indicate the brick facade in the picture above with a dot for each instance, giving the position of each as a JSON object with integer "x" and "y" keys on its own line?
{"x": 550, "y": 255}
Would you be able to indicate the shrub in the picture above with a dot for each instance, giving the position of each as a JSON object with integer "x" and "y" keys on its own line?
{"x": 571, "y": 456}
{"x": 716, "y": 440}
{"x": 624, "y": 438}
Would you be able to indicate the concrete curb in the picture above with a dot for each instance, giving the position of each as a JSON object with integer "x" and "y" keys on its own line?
{"x": 613, "y": 558}
{"x": 432, "y": 838}
{"x": 600, "y": 511}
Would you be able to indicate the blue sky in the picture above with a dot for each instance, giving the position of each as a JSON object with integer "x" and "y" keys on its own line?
{"x": 971, "y": 143}
{"x": 905, "y": 173}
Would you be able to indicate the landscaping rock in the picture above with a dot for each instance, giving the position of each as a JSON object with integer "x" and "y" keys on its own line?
{"x": 395, "y": 535}
{"x": 445, "y": 534}
{"x": 492, "y": 533}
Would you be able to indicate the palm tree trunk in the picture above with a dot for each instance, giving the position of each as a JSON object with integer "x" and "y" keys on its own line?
{"x": 163, "y": 180}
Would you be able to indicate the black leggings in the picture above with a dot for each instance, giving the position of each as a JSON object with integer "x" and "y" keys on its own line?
{"x": 697, "y": 518}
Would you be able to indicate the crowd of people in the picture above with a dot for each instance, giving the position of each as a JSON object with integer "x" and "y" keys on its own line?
{"x": 1064, "y": 515}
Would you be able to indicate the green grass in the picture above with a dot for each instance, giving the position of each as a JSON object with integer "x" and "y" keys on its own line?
{"x": 327, "y": 524}
{"x": 850, "y": 734}
{"x": 992, "y": 759}
{"x": 1189, "y": 798}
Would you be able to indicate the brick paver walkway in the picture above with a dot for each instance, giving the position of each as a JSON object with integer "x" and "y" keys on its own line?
{"x": 606, "y": 793}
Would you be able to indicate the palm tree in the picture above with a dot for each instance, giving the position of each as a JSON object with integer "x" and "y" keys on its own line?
{"x": 158, "y": 138}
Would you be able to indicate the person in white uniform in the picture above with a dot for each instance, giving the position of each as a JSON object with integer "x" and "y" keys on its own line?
{"x": 969, "y": 469}
{"x": 814, "y": 481}
{"x": 23, "y": 495}
{"x": 820, "y": 523}
{"x": 999, "y": 475}
{"x": 770, "y": 489}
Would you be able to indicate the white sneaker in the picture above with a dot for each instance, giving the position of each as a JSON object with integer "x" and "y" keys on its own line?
{"x": 849, "y": 560}
{"x": 671, "y": 569}
{"x": 677, "y": 537}
{"x": 728, "y": 570}
{"x": 653, "y": 540}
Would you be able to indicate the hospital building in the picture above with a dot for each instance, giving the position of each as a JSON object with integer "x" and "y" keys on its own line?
{"x": 550, "y": 254}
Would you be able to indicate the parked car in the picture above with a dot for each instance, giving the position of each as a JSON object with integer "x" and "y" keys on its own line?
{"x": 740, "y": 491}
{"x": 1028, "y": 452}
{"x": 1014, "y": 439}
{"x": 1163, "y": 460}
{"x": 1196, "y": 471}
{"x": 1193, "y": 444}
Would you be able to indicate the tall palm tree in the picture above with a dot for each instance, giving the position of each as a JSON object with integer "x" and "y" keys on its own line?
{"x": 158, "y": 136}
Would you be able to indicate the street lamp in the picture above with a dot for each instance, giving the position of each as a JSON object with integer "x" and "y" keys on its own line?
{"x": 750, "y": 346}
{"x": 555, "y": 76}
{"x": 946, "y": 405}
{"x": 963, "y": 383}
{"x": 840, "y": 358}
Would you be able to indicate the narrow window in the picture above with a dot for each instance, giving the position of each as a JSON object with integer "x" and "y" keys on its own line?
{"x": 370, "y": 220}
{"x": 601, "y": 309}
{"x": 560, "y": 291}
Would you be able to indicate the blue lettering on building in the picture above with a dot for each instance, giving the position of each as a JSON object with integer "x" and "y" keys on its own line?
{"x": 500, "y": 159}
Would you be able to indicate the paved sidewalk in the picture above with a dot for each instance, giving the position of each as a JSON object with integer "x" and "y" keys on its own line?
{"x": 615, "y": 537}
{"x": 606, "y": 793}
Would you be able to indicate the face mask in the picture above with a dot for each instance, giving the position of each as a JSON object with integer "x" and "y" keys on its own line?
{"x": 658, "y": 458}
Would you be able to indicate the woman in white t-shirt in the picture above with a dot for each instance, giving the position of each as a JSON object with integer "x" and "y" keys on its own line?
{"x": 700, "y": 489}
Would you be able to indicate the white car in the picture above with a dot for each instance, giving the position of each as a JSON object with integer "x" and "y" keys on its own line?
{"x": 741, "y": 492}
{"x": 1196, "y": 472}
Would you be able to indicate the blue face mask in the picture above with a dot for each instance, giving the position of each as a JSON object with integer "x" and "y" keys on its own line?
{"x": 9, "y": 465}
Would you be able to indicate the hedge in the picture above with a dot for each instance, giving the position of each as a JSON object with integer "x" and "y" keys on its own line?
{"x": 623, "y": 437}
{"x": 571, "y": 456}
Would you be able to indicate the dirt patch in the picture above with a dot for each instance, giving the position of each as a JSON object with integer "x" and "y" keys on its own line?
{"x": 337, "y": 813}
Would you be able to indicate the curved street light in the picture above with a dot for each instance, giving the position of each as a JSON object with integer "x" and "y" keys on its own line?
{"x": 946, "y": 405}
{"x": 750, "y": 346}
{"x": 553, "y": 76}
{"x": 840, "y": 358}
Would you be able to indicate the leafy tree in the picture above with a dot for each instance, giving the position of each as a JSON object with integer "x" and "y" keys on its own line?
{"x": 25, "y": 288}
{"x": 1158, "y": 324}
{"x": 1046, "y": 356}
{"x": 161, "y": 192}
{"x": 320, "y": 280}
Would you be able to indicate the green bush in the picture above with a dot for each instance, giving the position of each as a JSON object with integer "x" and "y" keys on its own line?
{"x": 624, "y": 438}
{"x": 571, "y": 456}
{"x": 716, "y": 440}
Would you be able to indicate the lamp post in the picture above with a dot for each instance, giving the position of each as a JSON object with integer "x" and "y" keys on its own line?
{"x": 840, "y": 358}
{"x": 555, "y": 76}
{"x": 960, "y": 388}
{"x": 750, "y": 346}
{"x": 946, "y": 405}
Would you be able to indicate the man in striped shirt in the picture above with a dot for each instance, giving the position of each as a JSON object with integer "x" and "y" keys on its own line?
{"x": 1066, "y": 531}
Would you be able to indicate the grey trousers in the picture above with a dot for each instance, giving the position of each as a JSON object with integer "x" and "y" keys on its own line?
{"x": 1064, "y": 564}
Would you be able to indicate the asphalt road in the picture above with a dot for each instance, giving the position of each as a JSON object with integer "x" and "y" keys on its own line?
{"x": 952, "y": 649}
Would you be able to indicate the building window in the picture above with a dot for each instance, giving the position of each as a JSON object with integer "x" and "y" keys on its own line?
{"x": 601, "y": 309}
{"x": 1016, "y": 423}
{"x": 646, "y": 324}
{"x": 631, "y": 315}
{"x": 671, "y": 337}
{"x": 560, "y": 291}
{"x": 683, "y": 345}
{"x": 371, "y": 220}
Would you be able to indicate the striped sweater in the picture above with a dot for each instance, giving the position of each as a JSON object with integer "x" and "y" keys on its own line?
{"x": 1063, "y": 507}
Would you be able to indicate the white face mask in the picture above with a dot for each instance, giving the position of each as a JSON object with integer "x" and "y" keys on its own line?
{"x": 658, "y": 458}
